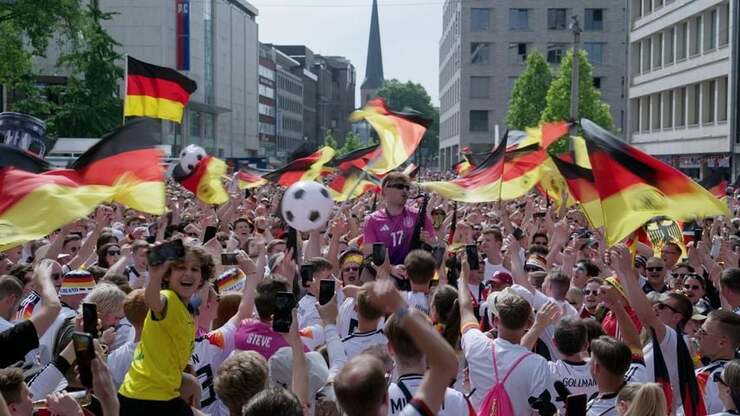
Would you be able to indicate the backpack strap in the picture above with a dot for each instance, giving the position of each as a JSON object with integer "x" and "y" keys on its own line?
{"x": 495, "y": 367}
{"x": 405, "y": 391}
{"x": 516, "y": 363}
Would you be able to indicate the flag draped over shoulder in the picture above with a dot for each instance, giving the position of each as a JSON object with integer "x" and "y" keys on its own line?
{"x": 661, "y": 375}
{"x": 302, "y": 169}
{"x": 127, "y": 161}
{"x": 156, "y": 91}
{"x": 249, "y": 181}
{"x": 691, "y": 397}
{"x": 351, "y": 178}
{"x": 205, "y": 181}
{"x": 399, "y": 132}
{"x": 482, "y": 184}
{"x": 634, "y": 187}
{"x": 33, "y": 204}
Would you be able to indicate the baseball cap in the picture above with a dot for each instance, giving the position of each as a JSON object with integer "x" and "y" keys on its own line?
{"x": 502, "y": 278}
{"x": 537, "y": 261}
{"x": 281, "y": 370}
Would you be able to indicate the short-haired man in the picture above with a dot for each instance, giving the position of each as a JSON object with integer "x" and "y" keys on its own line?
{"x": 656, "y": 273}
{"x": 240, "y": 377}
{"x": 420, "y": 267}
{"x": 490, "y": 242}
{"x": 394, "y": 224}
{"x": 410, "y": 364}
{"x": 307, "y": 313}
{"x": 729, "y": 282}
{"x": 571, "y": 340}
{"x": 368, "y": 317}
{"x": 670, "y": 253}
{"x": 529, "y": 383}
{"x": 11, "y": 292}
{"x": 360, "y": 386}
{"x": 15, "y": 392}
{"x": 610, "y": 360}
{"x": 719, "y": 338}
{"x": 137, "y": 273}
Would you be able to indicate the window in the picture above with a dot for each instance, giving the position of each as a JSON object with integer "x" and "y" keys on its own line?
{"x": 696, "y": 36}
{"x": 594, "y": 20}
{"x": 480, "y": 87}
{"x": 668, "y": 48}
{"x": 479, "y": 52}
{"x": 682, "y": 40}
{"x": 517, "y": 53}
{"x": 556, "y": 19}
{"x": 478, "y": 120}
{"x": 519, "y": 19}
{"x": 694, "y": 104}
{"x": 597, "y": 82}
{"x": 724, "y": 24}
{"x": 708, "y": 101}
{"x": 668, "y": 109}
{"x": 657, "y": 51}
{"x": 710, "y": 33}
{"x": 595, "y": 52}
{"x": 722, "y": 100}
{"x": 479, "y": 20}
{"x": 555, "y": 52}
{"x": 681, "y": 107}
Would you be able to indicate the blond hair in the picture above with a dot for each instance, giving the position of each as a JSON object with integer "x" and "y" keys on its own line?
{"x": 649, "y": 401}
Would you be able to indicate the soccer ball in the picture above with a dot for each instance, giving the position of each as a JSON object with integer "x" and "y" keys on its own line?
{"x": 306, "y": 206}
{"x": 190, "y": 156}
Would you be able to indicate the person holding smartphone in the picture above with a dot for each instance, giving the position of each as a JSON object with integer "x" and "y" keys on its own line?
{"x": 394, "y": 224}
{"x": 152, "y": 384}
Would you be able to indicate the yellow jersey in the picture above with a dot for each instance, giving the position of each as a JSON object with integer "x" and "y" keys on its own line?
{"x": 162, "y": 354}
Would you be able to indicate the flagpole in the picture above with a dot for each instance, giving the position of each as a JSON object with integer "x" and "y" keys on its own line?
{"x": 125, "y": 85}
{"x": 354, "y": 187}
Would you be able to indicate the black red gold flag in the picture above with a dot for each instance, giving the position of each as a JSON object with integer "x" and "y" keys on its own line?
{"x": 305, "y": 168}
{"x": 156, "y": 91}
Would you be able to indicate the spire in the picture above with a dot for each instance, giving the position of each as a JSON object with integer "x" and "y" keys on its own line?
{"x": 374, "y": 70}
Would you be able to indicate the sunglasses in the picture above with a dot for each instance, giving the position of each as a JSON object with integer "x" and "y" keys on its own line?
{"x": 693, "y": 287}
{"x": 662, "y": 306}
{"x": 588, "y": 292}
{"x": 114, "y": 253}
{"x": 654, "y": 269}
{"x": 193, "y": 235}
{"x": 351, "y": 269}
{"x": 678, "y": 275}
{"x": 532, "y": 269}
{"x": 579, "y": 269}
{"x": 401, "y": 186}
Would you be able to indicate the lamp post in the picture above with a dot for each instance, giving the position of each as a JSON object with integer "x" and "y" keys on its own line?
{"x": 575, "y": 26}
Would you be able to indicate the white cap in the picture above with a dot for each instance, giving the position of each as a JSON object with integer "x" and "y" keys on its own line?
{"x": 281, "y": 370}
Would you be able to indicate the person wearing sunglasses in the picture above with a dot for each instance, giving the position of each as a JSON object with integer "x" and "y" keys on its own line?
{"x": 719, "y": 337}
{"x": 656, "y": 273}
{"x": 729, "y": 388}
{"x": 393, "y": 225}
{"x": 591, "y": 297}
{"x": 695, "y": 288}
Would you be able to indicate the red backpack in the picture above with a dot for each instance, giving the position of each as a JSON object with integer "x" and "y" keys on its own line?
{"x": 497, "y": 401}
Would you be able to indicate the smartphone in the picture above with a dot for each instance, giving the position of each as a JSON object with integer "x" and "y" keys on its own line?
{"x": 698, "y": 234}
{"x": 151, "y": 239}
{"x": 326, "y": 291}
{"x": 575, "y": 405}
{"x": 209, "y": 234}
{"x": 306, "y": 274}
{"x": 247, "y": 193}
{"x": 378, "y": 253}
{"x": 228, "y": 259}
{"x": 90, "y": 319}
{"x": 85, "y": 352}
{"x": 538, "y": 215}
{"x": 517, "y": 233}
{"x": 283, "y": 316}
{"x": 438, "y": 252}
{"x": 291, "y": 242}
{"x": 471, "y": 250}
{"x": 172, "y": 250}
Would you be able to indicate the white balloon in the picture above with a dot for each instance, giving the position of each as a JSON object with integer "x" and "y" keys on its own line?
{"x": 307, "y": 205}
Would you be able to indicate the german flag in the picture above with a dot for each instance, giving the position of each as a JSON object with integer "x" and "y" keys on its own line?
{"x": 400, "y": 133}
{"x": 575, "y": 169}
{"x": 156, "y": 91}
{"x": 351, "y": 176}
{"x": 660, "y": 368}
{"x": 482, "y": 184}
{"x": 661, "y": 231}
{"x": 691, "y": 397}
{"x": 306, "y": 168}
{"x": 462, "y": 167}
{"x": 249, "y": 181}
{"x": 634, "y": 187}
{"x": 716, "y": 184}
{"x": 127, "y": 160}
{"x": 15, "y": 157}
{"x": 205, "y": 181}
{"x": 33, "y": 205}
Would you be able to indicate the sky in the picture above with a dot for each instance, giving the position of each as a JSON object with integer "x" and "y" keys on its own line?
{"x": 409, "y": 34}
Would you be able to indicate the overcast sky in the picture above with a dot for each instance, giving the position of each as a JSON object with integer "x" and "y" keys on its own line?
{"x": 409, "y": 33}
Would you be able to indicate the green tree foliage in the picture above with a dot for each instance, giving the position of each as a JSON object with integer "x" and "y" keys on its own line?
{"x": 590, "y": 105}
{"x": 528, "y": 98}
{"x": 399, "y": 95}
{"x": 329, "y": 139}
{"x": 88, "y": 105}
{"x": 352, "y": 142}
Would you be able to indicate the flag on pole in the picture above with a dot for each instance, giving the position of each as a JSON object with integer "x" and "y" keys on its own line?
{"x": 305, "y": 168}
{"x": 156, "y": 91}
{"x": 249, "y": 181}
{"x": 206, "y": 180}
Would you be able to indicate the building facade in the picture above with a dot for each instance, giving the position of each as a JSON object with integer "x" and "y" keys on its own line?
{"x": 483, "y": 48}
{"x": 682, "y": 86}
{"x": 267, "y": 100}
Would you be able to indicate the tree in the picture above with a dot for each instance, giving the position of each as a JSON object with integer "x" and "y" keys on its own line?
{"x": 329, "y": 139}
{"x": 528, "y": 98}
{"x": 352, "y": 142}
{"x": 399, "y": 95}
{"x": 590, "y": 105}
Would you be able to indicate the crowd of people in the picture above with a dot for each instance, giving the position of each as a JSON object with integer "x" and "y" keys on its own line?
{"x": 506, "y": 308}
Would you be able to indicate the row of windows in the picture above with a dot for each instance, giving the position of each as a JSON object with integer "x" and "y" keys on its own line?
{"x": 481, "y": 52}
{"x": 481, "y": 19}
{"x": 292, "y": 125}
{"x": 289, "y": 85}
{"x": 698, "y": 34}
{"x": 287, "y": 104}
{"x": 266, "y": 128}
{"x": 451, "y": 96}
{"x": 267, "y": 110}
{"x": 266, "y": 91}
{"x": 450, "y": 127}
{"x": 266, "y": 73}
{"x": 702, "y": 103}
{"x": 642, "y": 8}
{"x": 449, "y": 68}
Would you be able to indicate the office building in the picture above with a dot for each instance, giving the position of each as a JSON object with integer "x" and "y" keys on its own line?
{"x": 483, "y": 48}
{"x": 683, "y": 82}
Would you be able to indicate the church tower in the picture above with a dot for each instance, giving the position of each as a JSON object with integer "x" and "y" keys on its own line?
{"x": 374, "y": 69}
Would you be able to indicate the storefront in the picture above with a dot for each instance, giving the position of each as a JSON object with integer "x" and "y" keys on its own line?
{"x": 691, "y": 164}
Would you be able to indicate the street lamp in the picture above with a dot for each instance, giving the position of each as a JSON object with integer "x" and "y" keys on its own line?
{"x": 575, "y": 26}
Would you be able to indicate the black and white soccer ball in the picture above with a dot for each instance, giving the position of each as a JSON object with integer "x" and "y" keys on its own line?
{"x": 306, "y": 205}
{"x": 190, "y": 156}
